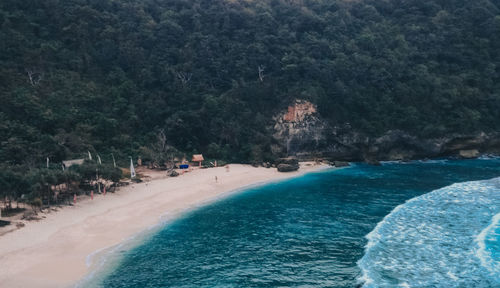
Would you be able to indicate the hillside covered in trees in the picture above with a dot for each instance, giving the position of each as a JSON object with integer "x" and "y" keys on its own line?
{"x": 106, "y": 75}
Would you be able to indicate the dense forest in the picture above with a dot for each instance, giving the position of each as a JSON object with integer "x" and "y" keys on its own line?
{"x": 106, "y": 76}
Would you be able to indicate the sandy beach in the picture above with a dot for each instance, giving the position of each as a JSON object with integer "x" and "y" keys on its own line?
{"x": 54, "y": 252}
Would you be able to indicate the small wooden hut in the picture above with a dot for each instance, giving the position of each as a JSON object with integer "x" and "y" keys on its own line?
{"x": 198, "y": 158}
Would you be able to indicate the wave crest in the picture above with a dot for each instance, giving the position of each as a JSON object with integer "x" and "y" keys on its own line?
{"x": 432, "y": 240}
{"x": 489, "y": 246}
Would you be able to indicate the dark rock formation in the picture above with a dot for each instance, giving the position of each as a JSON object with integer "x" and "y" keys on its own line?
{"x": 287, "y": 164}
{"x": 288, "y": 160}
{"x": 299, "y": 130}
{"x": 397, "y": 145}
{"x": 288, "y": 167}
{"x": 340, "y": 163}
{"x": 302, "y": 133}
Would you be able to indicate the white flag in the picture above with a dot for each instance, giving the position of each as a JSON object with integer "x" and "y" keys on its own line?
{"x": 99, "y": 159}
{"x": 132, "y": 170}
{"x": 90, "y": 155}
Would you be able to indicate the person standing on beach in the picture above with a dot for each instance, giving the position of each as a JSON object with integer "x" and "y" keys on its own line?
{"x": 215, "y": 179}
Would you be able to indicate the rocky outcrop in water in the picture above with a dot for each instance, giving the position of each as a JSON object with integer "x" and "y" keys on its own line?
{"x": 303, "y": 133}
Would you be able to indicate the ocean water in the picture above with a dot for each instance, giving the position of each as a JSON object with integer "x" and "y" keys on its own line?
{"x": 417, "y": 224}
{"x": 438, "y": 239}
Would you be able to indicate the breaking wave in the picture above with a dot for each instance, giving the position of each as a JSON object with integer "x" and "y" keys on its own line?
{"x": 446, "y": 238}
{"x": 489, "y": 246}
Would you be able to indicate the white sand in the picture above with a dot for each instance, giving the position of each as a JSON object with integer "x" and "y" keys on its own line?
{"x": 53, "y": 252}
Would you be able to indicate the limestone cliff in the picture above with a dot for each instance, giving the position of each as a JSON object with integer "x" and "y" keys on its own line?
{"x": 303, "y": 133}
{"x": 300, "y": 130}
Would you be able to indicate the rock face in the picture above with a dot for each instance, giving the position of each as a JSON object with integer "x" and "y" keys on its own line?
{"x": 303, "y": 133}
{"x": 402, "y": 146}
{"x": 300, "y": 130}
{"x": 468, "y": 154}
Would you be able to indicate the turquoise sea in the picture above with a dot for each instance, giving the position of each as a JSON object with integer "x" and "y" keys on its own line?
{"x": 418, "y": 224}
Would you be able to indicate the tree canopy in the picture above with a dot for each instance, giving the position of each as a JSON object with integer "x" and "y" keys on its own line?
{"x": 106, "y": 76}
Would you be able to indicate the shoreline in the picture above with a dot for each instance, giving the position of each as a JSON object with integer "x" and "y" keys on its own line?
{"x": 62, "y": 249}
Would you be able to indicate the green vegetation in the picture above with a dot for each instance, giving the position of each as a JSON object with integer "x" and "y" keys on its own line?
{"x": 46, "y": 186}
{"x": 106, "y": 76}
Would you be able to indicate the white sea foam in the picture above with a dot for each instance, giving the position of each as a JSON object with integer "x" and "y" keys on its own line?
{"x": 433, "y": 161}
{"x": 483, "y": 253}
{"x": 488, "y": 157}
{"x": 425, "y": 161}
{"x": 432, "y": 240}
